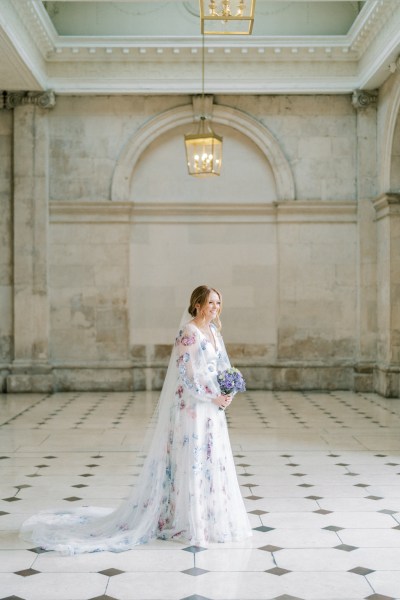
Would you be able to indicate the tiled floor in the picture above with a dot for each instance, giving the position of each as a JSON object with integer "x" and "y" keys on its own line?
{"x": 320, "y": 475}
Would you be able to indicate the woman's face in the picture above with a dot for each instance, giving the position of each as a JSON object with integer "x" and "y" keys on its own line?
{"x": 212, "y": 306}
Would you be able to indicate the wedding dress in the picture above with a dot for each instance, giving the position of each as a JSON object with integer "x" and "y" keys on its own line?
{"x": 187, "y": 489}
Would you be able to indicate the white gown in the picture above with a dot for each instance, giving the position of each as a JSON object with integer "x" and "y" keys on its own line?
{"x": 187, "y": 489}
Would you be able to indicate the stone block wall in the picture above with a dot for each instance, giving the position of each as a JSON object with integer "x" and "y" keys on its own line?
{"x": 299, "y": 301}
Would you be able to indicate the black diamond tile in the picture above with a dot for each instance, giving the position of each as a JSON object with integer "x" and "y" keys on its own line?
{"x": 270, "y": 548}
{"x": 298, "y": 474}
{"x": 195, "y": 571}
{"x": 91, "y": 466}
{"x": 27, "y": 572}
{"x": 253, "y": 497}
{"x": 292, "y": 465}
{"x": 72, "y": 499}
{"x": 239, "y": 455}
{"x": 97, "y": 456}
{"x": 351, "y": 474}
{"x": 263, "y": 528}
{"x": 22, "y": 487}
{"x": 250, "y": 485}
{"x": 194, "y": 549}
{"x": 4, "y": 457}
{"x": 79, "y": 485}
{"x": 286, "y": 455}
{"x": 398, "y": 527}
{"x": 345, "y": 548}
{"x": 246, "y": 474}
{"x": 374, "y": 497}
{"x": 196, "y": 597}
{"x": 361, "y": 571}
{"x": 13, "y": 598}
{"x": 103, "y": 598}
{"x": 38, "y": 550}
{"x": 334, "y": 455}
{"x": 41, "y": 466}
{"x": 243, "y": 465}
{"x": 277, "y": 571}
{"x": 49, "y": 457}
{"x": 2, "y": 513}
{"x": 12, "y": 499}
{"x": 34, "y": 475}
{"x": 333, "y": 528}
{"x": 322, "y": 511}
{"x": 379, "y": 596}
{"x": 287, "y": 597}
{"x": 258, "y": 512}
{"x": 86, "y": 475}
{"x": 305, "y": 485}
{"x": 386, "y": 511}
{"x": 381, "y": 455}
{"x": 314, "y": 497}
{"x": 111, "y": 572}
{"x": 361, "y": 485}
{"x": 392, "y": 464}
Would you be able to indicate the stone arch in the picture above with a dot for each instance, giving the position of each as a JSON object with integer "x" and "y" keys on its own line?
{"x": 183, "y": 115}
{"x": 387, "y": 125}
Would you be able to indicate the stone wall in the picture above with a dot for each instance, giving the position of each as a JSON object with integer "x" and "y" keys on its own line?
{"x": 285, "y": 233}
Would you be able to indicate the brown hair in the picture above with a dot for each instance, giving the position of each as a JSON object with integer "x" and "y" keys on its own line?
{"x": 200, "y": 296}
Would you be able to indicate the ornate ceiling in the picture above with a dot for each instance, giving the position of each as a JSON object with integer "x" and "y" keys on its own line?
{"x": 104, "y": 46}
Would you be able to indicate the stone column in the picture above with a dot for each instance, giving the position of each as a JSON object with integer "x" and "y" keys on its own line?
{"x": 387, "y": 372}
{"x": 31, "y": 370}
{"x": 366, "y": 190}
{"x": 6, "y": 237}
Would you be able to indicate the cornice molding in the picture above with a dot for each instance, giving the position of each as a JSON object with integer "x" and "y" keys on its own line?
{"x": 387, "y": 205}
{"x": 169, "y": 212}
{"x": 334, "y": 63}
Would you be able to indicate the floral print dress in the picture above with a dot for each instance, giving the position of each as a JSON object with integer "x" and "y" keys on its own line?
{"x": 204, "y": 500}
{"x": 187, "y": 489}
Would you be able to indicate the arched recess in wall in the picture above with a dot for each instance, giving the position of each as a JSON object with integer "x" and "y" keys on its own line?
{"x": 229, "y": 118}
{"x": 388, "y": 125}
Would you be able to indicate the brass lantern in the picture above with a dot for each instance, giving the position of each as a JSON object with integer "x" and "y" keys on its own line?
{"x": 227, "y": 17}
{"x": 203, "y": 150}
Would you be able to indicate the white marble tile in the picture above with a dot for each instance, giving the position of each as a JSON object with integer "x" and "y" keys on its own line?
{"x": 48, "y": 586}
{"x": 151, "y": 586}
{"x": 386, "y": 583}
{"x": 15, "y": 560}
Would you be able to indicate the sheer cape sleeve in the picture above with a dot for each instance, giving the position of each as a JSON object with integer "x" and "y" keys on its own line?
{"x": 198, "y": 363}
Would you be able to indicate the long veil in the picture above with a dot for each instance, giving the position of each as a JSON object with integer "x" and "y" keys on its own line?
{"x": 135, "y": 520}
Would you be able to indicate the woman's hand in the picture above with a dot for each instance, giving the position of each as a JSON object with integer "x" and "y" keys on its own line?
{"x": 223, "y": 401}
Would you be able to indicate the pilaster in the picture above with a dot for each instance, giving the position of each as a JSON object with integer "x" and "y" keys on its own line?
{"x": 31, "y": 370}
{"x": 387, "y": 372}
{"x": 366, "y": 183}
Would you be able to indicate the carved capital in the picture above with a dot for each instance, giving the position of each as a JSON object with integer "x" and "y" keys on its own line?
{"x": 202, "y": 106}
{"x": 45, "y": 99}
{"x": 364, "y": 98}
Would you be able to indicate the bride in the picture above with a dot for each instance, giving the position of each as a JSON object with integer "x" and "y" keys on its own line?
{"x": 187, "y": 489}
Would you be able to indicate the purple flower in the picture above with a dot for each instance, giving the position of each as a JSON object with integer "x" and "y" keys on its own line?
{"x": 231, "y": 381}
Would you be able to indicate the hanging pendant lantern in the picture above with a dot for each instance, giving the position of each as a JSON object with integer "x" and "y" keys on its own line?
{"x": 227, "y": 17}
{"x": 203, "y": 150}
{"x": 204, "y": 147}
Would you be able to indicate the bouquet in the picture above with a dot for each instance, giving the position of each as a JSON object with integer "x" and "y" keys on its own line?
{"x": 230, "y": 382}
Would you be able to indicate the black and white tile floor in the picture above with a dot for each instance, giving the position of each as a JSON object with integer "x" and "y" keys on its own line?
{"x": 320, "y": 475}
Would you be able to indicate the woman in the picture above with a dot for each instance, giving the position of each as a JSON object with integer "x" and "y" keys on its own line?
{"x": 187, "y": 489}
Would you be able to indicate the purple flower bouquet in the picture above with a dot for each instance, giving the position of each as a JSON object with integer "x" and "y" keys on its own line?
{"x": 231, "y": 381}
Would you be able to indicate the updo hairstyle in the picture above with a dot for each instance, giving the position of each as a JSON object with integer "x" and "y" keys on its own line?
{"x": 200, "y": 296}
